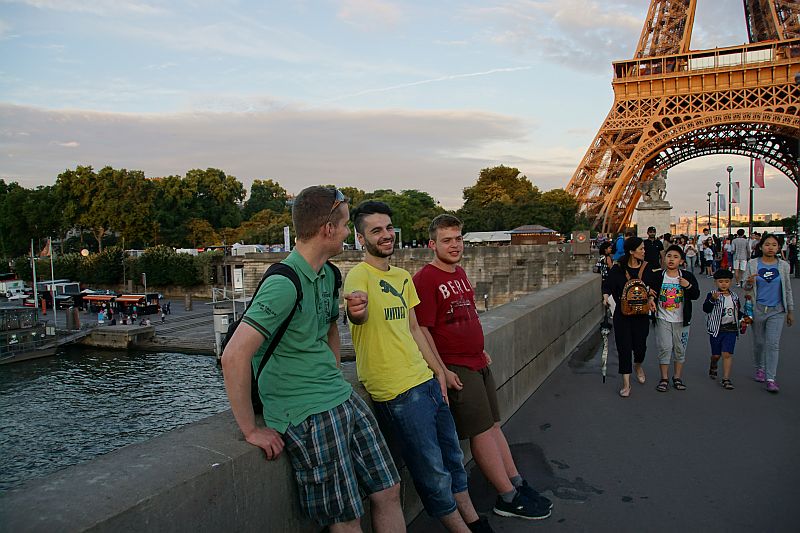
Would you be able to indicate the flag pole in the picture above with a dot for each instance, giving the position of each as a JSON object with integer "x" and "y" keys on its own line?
{"x": 52, "y": 282}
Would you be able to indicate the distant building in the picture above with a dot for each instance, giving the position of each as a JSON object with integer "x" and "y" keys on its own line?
{"x": 487, "y": 238}
{"x": 533, "y": 234}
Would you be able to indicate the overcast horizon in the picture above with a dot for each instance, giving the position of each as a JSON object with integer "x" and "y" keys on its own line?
{"x": 363, "y": 93}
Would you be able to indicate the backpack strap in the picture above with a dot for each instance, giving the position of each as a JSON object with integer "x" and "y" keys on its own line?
{"x": 279, "y": 269}
{"x": 641, "y": 269}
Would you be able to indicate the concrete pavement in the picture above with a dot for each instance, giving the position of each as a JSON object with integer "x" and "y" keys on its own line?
{"x": 703, "y": 459}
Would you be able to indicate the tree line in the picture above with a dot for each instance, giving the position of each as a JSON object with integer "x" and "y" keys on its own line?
{"x": 92, "y": 209}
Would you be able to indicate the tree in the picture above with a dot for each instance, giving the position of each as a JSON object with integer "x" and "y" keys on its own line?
{"x": 557, "y": 210}
{"x": 502, "y": 198}
{"x": 199, "y": 231}
{"x": 265, "y": 194}
{"x": 118, "y": 200}
{"x": 265, "y": 227}
{"x": 216, "y": 197}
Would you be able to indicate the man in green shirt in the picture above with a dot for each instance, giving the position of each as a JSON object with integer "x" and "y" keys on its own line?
{"x": 330, "y": 434}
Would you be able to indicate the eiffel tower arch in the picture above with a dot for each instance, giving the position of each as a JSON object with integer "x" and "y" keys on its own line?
{"x": 672, "y": 104}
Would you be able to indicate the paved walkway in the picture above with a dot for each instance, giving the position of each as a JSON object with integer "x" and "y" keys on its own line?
{"x": 704, "y": 459}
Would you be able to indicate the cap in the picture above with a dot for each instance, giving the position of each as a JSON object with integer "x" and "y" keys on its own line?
{"x": 651, "y": 228}
{"x": 723, "y": 273}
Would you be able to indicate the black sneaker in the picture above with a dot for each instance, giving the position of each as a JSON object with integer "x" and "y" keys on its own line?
{"x": 481, "y": 525}
{"x": 531, "y": 493}
{"x": 521, "y": 507}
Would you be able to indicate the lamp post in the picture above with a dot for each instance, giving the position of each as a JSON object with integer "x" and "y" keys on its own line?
{"x": 709, "y": 211}
{"x": 730, "y": 199}
{"x": 750, "y": 141}
{"x": 695, "y": 222}
{"x": 718, "y": 184}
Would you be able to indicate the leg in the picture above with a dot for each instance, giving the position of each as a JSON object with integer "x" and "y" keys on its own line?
{"x": 465, "y": 507}
{"x": 664, "y": 344}
{"x": 487, "y": 454}
{"x": 353, "y": 526}
{"x": 387, "y": 514}
{"x": 375, "y": 469}
{"x": 680, "y": 339}
{"x": 453, "y": 459}
{"x": 759, "y": 331}
{"x": 413, "y": 417}
{"x": 622, "y": 338}
{"x": 727, "y": 363}
{"x": 772, "y": 338}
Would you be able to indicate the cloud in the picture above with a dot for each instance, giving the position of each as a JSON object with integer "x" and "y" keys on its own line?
{"x": 393, "y": 149}
{"x": 96, "y": 7}
{"x": 370, "y": 15}
{"x": 5, "y": 29}
{"x": 431, "y": 80}
{"x": 589, "y": 34}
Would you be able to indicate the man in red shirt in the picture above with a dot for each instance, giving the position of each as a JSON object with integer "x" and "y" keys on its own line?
{"x": 449, "y": 320}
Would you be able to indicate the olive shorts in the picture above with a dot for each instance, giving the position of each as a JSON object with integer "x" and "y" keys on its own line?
{"x": 474, "y": 407}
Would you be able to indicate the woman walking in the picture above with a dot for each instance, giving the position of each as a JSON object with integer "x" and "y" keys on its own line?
{"x": 630, "y": 331}
{"x": 708, "y": 254}
{"x": 767, "y": 279}
{"x": 690, "y": 250}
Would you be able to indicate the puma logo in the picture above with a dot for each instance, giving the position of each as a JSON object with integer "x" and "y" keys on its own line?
{"x": 387, "y": 288}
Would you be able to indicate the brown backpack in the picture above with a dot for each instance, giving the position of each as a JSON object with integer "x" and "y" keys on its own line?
{"x": 634, "y": 295}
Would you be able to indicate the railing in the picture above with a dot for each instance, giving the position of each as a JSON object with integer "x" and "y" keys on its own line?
{"x": 751, "y": 54}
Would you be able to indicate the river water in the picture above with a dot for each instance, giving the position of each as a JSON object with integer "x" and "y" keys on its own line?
{"x": 63, "y": 410}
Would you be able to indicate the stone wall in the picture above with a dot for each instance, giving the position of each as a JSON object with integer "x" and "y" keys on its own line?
{"x": 204, "y": 477}
{"x": 501, "y": 273}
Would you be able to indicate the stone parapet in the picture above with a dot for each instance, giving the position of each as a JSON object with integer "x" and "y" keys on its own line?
{"x": 205, "y": 477}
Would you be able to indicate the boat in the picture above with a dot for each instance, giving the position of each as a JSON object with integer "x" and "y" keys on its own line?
{"x": 23, "y": 336}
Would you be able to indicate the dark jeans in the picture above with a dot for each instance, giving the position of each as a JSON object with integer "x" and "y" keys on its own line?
{"x": 630, "y": 334}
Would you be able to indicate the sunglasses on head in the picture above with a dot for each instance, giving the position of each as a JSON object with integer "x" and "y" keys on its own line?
{"x": 339, "y": 199}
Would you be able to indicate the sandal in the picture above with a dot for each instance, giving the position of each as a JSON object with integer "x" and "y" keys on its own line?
{"x": 726, "y": 384}
{"x": 712, "y": 371}
{"x": 640, "y": 377}
{"x": 678, "y": 384}
{"x": 625, "y": 392}
{"x": 663, "y": 385}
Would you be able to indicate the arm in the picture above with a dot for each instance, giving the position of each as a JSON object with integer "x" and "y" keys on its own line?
{"x": 710, "y": 302}
{"x": 451, "y": 378}
{"x": 693, "y": 290}
{"x": 237, "y": 369}
{"x": 427, "y": 352}
{"x": 334, "y": 342}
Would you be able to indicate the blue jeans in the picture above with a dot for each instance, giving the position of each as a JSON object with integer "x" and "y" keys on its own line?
{"x": 767, "y": 328}
{"x": 422, "y": 423}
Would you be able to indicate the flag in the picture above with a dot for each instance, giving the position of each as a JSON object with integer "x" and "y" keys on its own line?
{"x": 758, "y": 173}
{"x": 735, "y": 192}
{"x": 722, "y": 204}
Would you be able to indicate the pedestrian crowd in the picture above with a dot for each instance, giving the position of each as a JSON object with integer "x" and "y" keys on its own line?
{"x": 651, "y": 283}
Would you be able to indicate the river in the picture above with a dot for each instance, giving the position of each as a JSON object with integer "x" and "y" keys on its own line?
{"x": 64, "y": 410}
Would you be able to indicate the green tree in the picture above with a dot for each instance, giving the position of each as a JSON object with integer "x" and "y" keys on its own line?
{"x": 265, "y": 227}
{"x": 199, "y": 232}
{"x": 556, "y": 209}
{"x": 412, "y": 210}
{"x": 216, "y": 197}
{"x": 502, "y": 198}
{"x": 172, "y": 208}
{"x": 265, "y": 194}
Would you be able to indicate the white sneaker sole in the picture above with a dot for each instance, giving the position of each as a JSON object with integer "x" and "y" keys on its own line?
{"x": 514, "y": 515}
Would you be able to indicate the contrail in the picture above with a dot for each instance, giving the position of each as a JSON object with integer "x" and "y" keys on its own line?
{"x": 432, "y": 80}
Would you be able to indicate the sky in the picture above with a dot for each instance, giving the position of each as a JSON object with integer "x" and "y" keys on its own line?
{"x": 364, "y": 93}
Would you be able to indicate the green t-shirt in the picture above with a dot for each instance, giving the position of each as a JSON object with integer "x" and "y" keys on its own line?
{"x": 301, "y": 378}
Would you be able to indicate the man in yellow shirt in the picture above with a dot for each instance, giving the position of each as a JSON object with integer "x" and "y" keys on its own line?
{"x": 402, "y": 373}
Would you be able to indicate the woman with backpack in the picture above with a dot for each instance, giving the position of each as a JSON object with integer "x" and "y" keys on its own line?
{"x": 628, "y": 283}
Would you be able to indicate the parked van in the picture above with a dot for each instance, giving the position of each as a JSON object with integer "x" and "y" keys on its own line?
{"x": 241, "y": 249}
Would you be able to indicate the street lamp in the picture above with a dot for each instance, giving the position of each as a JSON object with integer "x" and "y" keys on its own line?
{"x": 695, "y": 222}
{"x": 750, "y": 142}
{"x": 730, "y": 199}
{"x": 709, "y": 211}
{"x": 718, "y": 184}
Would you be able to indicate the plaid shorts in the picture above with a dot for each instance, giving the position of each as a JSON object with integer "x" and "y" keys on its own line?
{"x": 338, "y": 457}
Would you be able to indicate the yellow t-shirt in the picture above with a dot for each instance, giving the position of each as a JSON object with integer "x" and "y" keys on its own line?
{"x": 387, "y": 357}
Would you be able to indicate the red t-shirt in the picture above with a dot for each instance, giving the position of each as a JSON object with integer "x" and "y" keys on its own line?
{"x": 447, "y": 309}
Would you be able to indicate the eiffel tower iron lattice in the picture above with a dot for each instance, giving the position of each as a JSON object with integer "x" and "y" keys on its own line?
{"x": 672, "y": 104}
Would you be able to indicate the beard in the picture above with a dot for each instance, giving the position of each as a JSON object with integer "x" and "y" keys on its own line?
{"x": 374, "y": 251}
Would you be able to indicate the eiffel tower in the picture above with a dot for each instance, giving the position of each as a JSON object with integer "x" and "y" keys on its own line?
{"x": 672, "y": 104}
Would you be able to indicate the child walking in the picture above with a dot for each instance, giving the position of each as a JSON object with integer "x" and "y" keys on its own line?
{"x": 675, "y": 290}
{"x": 722, "y": 324}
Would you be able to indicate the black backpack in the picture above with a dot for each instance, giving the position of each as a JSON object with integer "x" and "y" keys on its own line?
{"x": 279, "y": 269}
